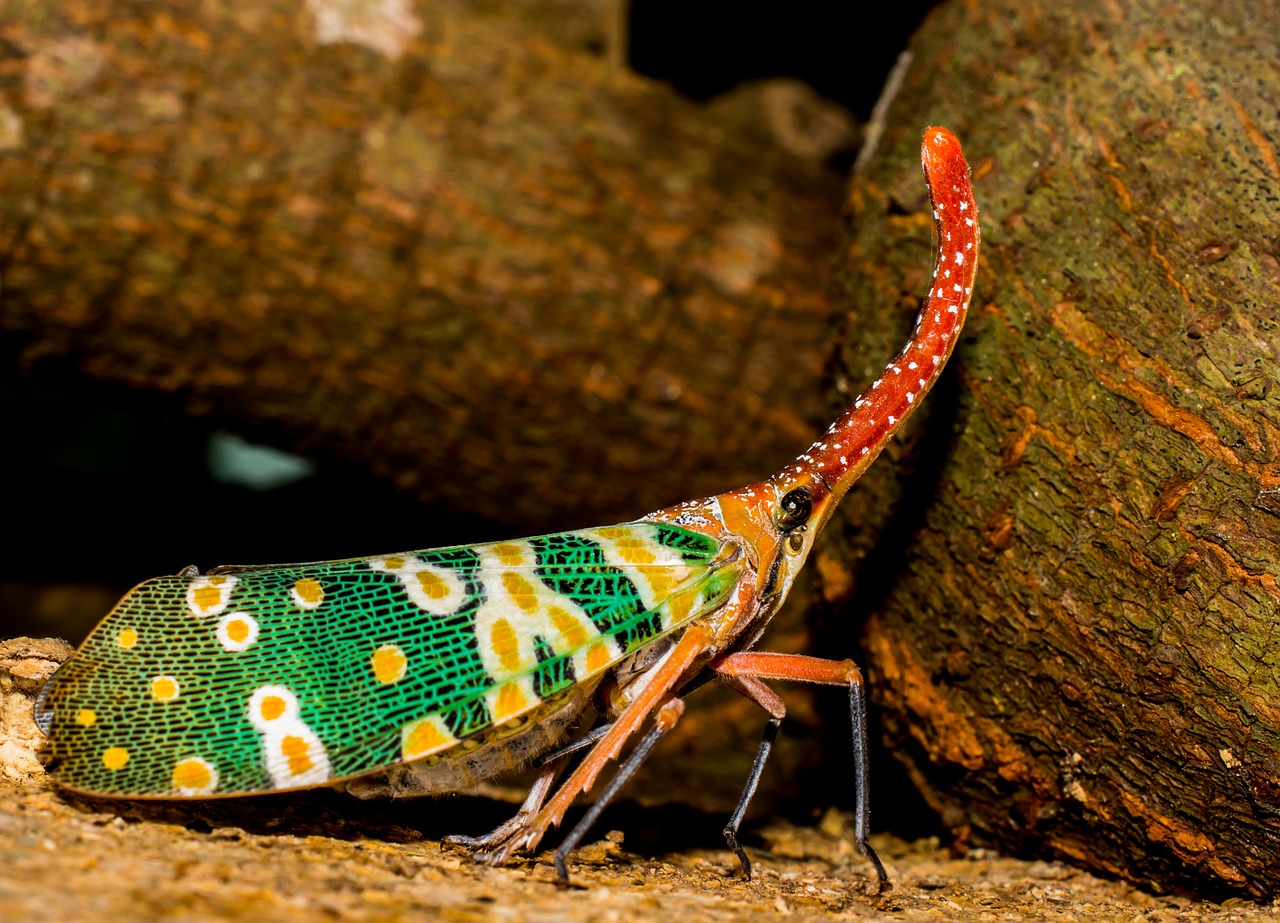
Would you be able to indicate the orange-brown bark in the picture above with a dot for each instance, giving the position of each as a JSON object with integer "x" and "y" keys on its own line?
{"x": 483, "y": 265}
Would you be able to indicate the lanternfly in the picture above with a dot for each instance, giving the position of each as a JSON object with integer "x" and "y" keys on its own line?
{"x": 429, "y": 671}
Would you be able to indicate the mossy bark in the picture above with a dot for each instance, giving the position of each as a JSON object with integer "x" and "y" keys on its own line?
{"x": 1075, "y": 650}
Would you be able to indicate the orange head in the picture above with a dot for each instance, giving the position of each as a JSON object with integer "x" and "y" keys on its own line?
{"x": 777, "y": 520}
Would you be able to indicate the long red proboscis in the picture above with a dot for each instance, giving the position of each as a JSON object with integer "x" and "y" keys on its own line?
{"x": 854, "y": 440}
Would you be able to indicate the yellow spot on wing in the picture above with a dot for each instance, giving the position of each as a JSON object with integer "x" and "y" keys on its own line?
{"x": 164, "y": 688}
{"x": 678, "y": 607}
{"x": 127, "y": 638}
{"x": 297, "y": 753}
{"x": 635, "y": 551}
{"x": 193, "y": 776}
{"x": 509, "y": 555}
{"x": 432, "y": 585}
{"x": 572, "y": 633}
{"x": 389, "y": 664}
{"x": 521, "y": 591}
{"x": 272, "y": 707}
{"x": 424, "y": 737}
{"x": 394, "y": 563}
{"x": 505, "y": 645}
{"x": 597, "y": 657}
{"x": 115, "y": 758}
{"x": 207, "y": 597}
{"x": 307, "y": 593}
{"x": 87, "y": 717}
{"x": 510, "y": 702}
{"x": 236, "y": 632}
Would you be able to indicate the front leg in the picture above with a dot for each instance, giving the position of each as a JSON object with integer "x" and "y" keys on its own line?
{"x": 771, "y": 702}
{"x": 748, "y": 668}
{"x": 656, "y": 694}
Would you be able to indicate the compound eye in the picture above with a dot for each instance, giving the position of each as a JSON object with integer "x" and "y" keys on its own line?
{"x": 794, "y": 510}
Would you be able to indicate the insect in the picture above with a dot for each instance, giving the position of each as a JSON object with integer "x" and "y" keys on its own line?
{"x": 428, "y": 671}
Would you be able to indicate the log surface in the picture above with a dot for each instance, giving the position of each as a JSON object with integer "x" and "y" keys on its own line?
{"x": 437, "y": 244}
{"x": 1071, "y": 586}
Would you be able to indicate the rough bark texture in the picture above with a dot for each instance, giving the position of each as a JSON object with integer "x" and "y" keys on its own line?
{"x": 1075, "y": 650}
{"x": 432, "y": 242}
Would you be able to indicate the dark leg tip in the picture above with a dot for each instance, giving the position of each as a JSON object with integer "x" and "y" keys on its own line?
{"x": 882, "y": 877}
{"x": 731, "y": 837}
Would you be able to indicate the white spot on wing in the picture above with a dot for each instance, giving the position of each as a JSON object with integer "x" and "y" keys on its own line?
{"x": 292, "y": 753}
{"x": 225, "y": 626}
{"x": 208, "y": 596}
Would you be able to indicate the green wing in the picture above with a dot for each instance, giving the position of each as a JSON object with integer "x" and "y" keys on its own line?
{"x": 257, "y": 679}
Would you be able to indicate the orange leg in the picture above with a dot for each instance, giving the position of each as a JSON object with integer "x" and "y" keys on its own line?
{"x": 656, "y": 693}
{"x": 668, "y": 714}
{"x": 745, "y": 671}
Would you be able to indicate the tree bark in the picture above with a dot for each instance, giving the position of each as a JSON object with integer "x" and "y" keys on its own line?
{"x": 1070, "y": 586}
{"x": 429, "y": 241}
